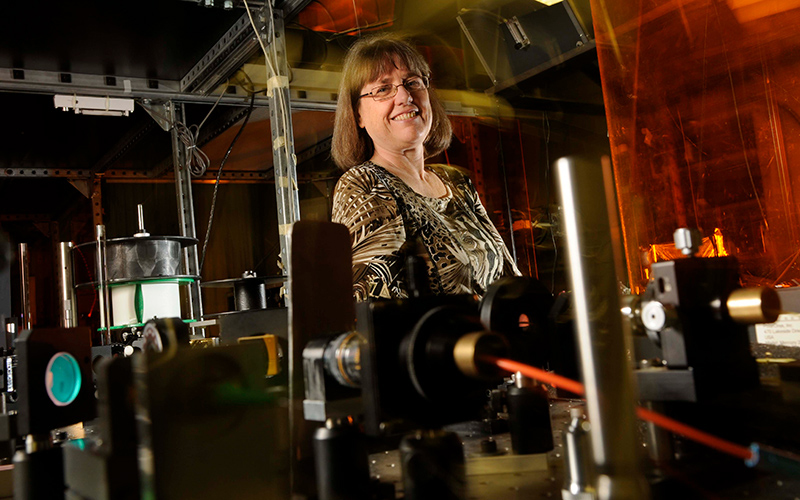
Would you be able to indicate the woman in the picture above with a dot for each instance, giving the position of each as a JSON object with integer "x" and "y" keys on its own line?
{"x": 388, "y": 121}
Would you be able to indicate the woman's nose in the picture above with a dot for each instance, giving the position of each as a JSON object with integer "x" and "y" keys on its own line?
{"x": 403, "y": 95}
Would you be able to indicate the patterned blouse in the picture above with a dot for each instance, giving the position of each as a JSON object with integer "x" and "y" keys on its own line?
{"x": 465, "y": 251}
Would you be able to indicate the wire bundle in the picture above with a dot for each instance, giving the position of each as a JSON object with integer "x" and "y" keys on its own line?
{"x": 196, "y": 159}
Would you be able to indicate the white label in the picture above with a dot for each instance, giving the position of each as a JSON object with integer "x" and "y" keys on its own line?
{"x": 785, "y": 331}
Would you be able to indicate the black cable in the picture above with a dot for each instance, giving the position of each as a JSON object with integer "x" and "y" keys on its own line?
{"x": 333, "y": 19}
{"x": 219, "y": 174}
{"x": 546, "y": 126}
{"x": 506, "y": 194}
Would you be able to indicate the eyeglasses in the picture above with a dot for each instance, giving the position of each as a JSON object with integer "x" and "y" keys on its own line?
{"x": 389, "y": 90}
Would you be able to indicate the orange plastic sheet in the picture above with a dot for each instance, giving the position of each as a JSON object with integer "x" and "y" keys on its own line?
{"x": 703, "y": 109}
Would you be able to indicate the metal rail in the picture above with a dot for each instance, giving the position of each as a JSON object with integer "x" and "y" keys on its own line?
{"x": 183, "y": 191}
{"x": 283, "y": 157}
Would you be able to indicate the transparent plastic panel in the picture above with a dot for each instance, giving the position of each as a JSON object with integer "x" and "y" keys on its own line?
{"x": 703, "y": 108}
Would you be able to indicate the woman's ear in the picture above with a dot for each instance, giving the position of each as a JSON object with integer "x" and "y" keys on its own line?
{"x": 357, "y": 112}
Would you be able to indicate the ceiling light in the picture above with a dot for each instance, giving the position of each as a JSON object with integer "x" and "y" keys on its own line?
{"x": 102, "y": 106}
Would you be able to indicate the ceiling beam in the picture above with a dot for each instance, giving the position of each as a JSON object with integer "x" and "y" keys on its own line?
{"x": 291, "y": 8}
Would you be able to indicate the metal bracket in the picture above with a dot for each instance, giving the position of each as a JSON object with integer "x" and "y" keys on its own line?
{"x": 576, "y": 22}
{"x": 521, "y": 40}
{"x": 159, "y": 112}
{"x": 82, "y": 185}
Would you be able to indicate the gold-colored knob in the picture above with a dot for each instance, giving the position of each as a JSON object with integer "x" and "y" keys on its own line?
{"x": 754, "y": 305}
{"x": 471, "y": 347}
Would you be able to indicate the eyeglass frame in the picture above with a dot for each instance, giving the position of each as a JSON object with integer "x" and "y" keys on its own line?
{"x": 425, "y": 80}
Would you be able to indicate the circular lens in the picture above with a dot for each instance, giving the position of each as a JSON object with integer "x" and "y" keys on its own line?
{"x": 62, "y": 379}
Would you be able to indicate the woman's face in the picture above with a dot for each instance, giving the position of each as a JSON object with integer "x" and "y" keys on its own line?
{"x": 397, "y": 124}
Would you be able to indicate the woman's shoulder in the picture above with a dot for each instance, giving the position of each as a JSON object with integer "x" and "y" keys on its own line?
{"x": 362, "y": 177}
{"x": 361, "y": 195}
{"x": 364, "y": 187}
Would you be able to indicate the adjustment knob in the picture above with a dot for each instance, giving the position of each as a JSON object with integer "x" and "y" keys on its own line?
{"x": 687, "y": 240}
{"x": 654, "y": 316}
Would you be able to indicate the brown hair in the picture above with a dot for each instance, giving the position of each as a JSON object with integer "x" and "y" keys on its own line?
{"x": 368, "y": 59}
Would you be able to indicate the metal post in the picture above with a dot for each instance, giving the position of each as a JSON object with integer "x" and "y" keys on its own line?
{"x": 183, "y": 191}
{"x": 103, "y": 293}
{"x": 140, "y": 212}
{"x": 24, "y": 282}
{"x": 285, "y": 168}
{"x": 68, "y": 310}
{"x": 601, "y": 339}
{"x": 97, "y": 200}
{"x": 283, "y": 157}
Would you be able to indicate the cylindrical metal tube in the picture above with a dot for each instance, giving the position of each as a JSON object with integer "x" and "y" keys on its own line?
{"x": 471, "y": 347}
{"x": 102, "y": 280}
{"x": 24, "y": 283}
{"x": 250, "y": 294}
{"x": 341, "y": 463}
{"x": 658, "y": 439}
{"x": 578, "y": 470}
{"x": 529, "y": 417}
{"x": 140, "y": 214}
{"x": 754, "y": 305}
{"x": 38, "y": 475}
{"x": 601, "y": 341}
{"x": 342, "y": 357}
{"x": 68, "y": 310}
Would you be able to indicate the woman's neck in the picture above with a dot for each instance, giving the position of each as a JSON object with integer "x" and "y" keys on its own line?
{"x": 405, "y": 164}
{"x": 411, "y": 170}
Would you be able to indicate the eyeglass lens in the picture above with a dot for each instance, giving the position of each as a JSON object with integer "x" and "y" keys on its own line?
{"x": 389, "y": 90}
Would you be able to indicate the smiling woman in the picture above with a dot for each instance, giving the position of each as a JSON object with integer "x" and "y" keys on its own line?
{"x": 388, "y": 122}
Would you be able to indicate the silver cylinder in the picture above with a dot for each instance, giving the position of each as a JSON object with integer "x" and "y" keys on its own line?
{"x": 658, "y": 440}
{"x": 602, "y": 344}
{"x": 342, "y": 357}
{"x": 24, "y": 283}
{"x": 578, "y": 470}
{"x": 102, "y": 281}
{"x": 140, "y": 213}
{"x": 68, "y": 309}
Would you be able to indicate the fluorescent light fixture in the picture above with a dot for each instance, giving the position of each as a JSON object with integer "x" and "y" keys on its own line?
{"x": 101, "y": 106}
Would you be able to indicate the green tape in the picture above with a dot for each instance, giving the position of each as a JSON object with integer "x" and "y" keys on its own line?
{"x": 138, "y": 303}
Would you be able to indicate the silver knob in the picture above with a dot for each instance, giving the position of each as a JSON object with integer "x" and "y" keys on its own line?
{"x": 654, "y": 316}
{"x": 687, "y": 240}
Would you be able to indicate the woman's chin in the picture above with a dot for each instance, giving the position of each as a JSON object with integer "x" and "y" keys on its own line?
{"x": 411, "y": 133}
